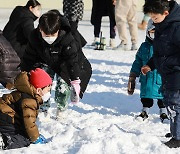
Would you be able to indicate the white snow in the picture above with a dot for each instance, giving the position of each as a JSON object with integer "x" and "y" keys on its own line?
{"x": 104, "y": 121}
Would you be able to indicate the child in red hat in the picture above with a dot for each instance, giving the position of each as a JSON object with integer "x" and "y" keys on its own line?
{"x": 19, "y": 109}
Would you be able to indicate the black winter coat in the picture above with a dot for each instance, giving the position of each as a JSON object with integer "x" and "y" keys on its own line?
{"x": 166, "y": 46}
{"x": 64, "y": 56}
{"x": 18, "y": 28}
{"x": 9, "y": 62}
{"x": 102, "y": 8}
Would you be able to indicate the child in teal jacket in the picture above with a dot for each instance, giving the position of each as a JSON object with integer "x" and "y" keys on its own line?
{"x": 151, "y": 84}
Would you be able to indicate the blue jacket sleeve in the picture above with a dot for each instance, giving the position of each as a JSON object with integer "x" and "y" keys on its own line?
{"x": 137, "y": 64}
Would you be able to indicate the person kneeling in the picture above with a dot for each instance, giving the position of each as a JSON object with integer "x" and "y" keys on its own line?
{"x": 19, "y": 109}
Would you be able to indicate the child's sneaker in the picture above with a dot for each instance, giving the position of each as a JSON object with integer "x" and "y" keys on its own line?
{"x": 163, "y": 117}
{"x": 143, "y": 115}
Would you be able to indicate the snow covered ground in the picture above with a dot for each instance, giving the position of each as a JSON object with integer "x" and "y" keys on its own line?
{"x": 104, "y": 121}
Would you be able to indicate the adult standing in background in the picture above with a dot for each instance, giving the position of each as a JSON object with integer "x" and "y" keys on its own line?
{"x": 102, "y": 8}
{"x": 21, "y": 24}
{"x": 125, "y": 12}
{"x": 73, "y": 10}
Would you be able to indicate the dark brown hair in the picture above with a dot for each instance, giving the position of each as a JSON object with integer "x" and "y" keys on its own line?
{"x": 32, "y": 3}
{"x": 49, "y": 22}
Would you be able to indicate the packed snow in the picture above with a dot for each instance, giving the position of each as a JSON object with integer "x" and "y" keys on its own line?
{"x": 104, "y": 121}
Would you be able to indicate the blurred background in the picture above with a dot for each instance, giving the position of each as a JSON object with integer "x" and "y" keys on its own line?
{"x": 52, "y": 4}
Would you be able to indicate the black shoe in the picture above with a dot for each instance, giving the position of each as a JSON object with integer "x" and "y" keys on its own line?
{"x": 168, "y": 135}
{"x": 163, "y": 116}
{"x": 143, "y": 115}
{"x": 173, "y": 143}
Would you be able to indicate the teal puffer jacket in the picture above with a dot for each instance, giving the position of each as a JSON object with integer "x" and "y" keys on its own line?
{"x": 151, "y": 84}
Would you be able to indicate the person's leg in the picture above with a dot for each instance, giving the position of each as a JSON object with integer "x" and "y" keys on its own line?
{"x": 121, "y": 12}
{"x": 112, "y": 27}
{"x": 172, "y": 102}
{"x": 161, "y": 106}
{"x": 62, "y": 95}
{"x": 97, "y": 29}
{"x": 147, "y": 103}
{"x": 132, "y": 22}
{"x": 112, "y": 42}
{"x": 162, "y": 110}
{"x": 14, "y": 141}
{"x": 97, "y": 26}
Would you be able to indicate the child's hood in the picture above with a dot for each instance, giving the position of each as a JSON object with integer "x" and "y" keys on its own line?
{"x": 22, "y": 84}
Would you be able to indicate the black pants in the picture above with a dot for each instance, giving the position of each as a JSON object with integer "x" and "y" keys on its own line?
{"x": 148, "y": 102}
{"x": 97, "y": 27}
{"x": 14, "y": 141}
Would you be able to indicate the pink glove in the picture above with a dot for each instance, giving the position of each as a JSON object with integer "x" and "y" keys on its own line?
{"x": 75, "y": 91}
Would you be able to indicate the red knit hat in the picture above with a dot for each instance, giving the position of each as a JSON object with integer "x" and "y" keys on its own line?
{"x": 39, "y": 78}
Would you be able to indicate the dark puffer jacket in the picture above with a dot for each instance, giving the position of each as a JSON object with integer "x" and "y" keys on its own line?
{"x": 64, "y": 56}
{"x": 9, "y": 62}
{"x": 166, "y": 47}
{"x": 18, "y": 28}
{"x": 19, "y": 109}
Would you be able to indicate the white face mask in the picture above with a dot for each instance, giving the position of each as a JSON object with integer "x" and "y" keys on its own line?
{"x": 151, "y": 36}
{"x": 46, "y": 96}
{"x": 50, "y": 40}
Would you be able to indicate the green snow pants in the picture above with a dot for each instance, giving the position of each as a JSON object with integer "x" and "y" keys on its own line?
{"x": 62, "y": 92}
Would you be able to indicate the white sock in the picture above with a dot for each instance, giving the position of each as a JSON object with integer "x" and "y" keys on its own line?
{"x": 146, "y": 109}
{"x": 162, "y": 110}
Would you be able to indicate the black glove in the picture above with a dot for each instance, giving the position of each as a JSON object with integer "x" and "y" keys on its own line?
{"x": 131, "y": 83}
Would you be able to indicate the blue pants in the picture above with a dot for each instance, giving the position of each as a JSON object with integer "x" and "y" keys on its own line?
{"x": 172, "y": 102}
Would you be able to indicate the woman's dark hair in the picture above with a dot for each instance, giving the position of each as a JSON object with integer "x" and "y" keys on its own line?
{"x": 156, "y": 6}
{"x": 55, "y": 11}
{"x": 32, "y": 3}
{"x": 49, "y": 22}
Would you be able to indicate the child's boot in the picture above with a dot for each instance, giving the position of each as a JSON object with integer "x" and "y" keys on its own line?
{"x": 144, "y": 113}
{"x": 163, "y": 114}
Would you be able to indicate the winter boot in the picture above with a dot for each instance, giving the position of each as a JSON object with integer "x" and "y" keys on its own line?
{"x": 163, "y": 117}
{"x": 173, "y": 143}
{"x": 163, "y": 114}
{"x": 143, "y": 115}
